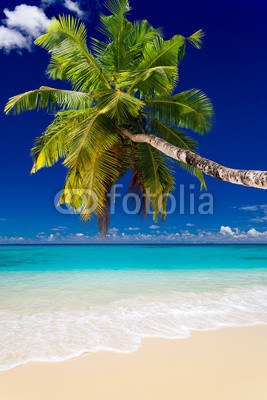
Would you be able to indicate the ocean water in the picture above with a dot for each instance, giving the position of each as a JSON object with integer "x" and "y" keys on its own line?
{"x": 58, "y": 302}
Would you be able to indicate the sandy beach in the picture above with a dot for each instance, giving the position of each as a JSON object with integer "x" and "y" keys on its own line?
{"x": 226, "y": 364}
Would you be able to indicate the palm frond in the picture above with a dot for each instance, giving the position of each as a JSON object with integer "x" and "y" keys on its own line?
{"x": 116, "y": 28}
{"x": 172, "y": 135}
{"x": 87, "y": 186}
{"x": 73, "y": 190}
{"x": 141, "y": 34}
{"x": 197, "y": 38}
{"x": 93, "y": 135}
{"x": 118, "y": 6}
{"x": 105, "y": 170}
{"x": 128, "y": 43}
{"x": 52, "y": 145}
{"x": 155, "y": 80}
{"x": 190, "y": 109}
{"x": 71, "y": 59}
{"x": 155, "y": 177}
{"x": 196, "y": 173}
{"x": 48, "y": 98}
{"x": 22, "y": 102}
{"x": 160, "y": 53}
{"x": 119, "y": 105}
{"x": 134, "y": 38}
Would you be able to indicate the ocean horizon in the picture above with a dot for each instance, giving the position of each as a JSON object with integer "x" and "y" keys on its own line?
{"x": 60, "y": 301}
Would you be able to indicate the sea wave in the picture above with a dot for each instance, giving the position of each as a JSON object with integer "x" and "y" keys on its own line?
{"x": 60, "y": 334}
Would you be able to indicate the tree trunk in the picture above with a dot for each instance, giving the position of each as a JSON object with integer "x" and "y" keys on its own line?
{"x": 256, "y": 179}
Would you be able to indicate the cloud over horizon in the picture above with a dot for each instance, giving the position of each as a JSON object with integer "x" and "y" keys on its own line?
{"x": 225, "y": 235}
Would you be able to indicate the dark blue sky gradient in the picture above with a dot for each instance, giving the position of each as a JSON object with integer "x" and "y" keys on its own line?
{"x": 230, "y": 69}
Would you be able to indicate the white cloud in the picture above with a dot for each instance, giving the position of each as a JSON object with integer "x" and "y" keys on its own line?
{"x": 258, "y": 212}
{"x": 74, "y": 7}
{"x": 249, "y": 208}
{"x": 26, "y": 22}
{"x": 154, "y": 227}
{"x": 228, "y": 235}
{"x": 259, "y": 219}
{"x": 226, "y": 230}
{"x": 30, "y": 20}
{"x": 21, "y": 27}
{"x": 253, "y": 232}
{"x": 59, "y": 228}
{"x": 47, "y": 3}
{"x": 11, "y": 39}
{"x": 132, "y": 229}
{"x": 71, "y": 5}
{"x": 14, "y": 240}
{"x": 113, "y": 231}
{"x": 190, "y": 224}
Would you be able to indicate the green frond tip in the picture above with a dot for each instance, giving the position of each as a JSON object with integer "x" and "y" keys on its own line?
{"x": 118, "y": 6}
{"x": 196, "y": 173}
{"x": 60, "y": 28}
{"x": 49, "y": 98}
{"x": 71, "y": 59}
{"x": 22, "y": 102}
{"x": 197, "y": 39}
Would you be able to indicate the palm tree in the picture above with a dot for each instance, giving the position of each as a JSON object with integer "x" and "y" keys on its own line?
{"x": 121, "y": 113}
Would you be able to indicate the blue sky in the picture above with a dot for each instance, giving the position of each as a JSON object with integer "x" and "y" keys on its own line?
{"x": 230, "y": 69}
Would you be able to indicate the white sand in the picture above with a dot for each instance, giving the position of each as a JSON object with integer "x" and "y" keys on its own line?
{"x": 227, "y": 364}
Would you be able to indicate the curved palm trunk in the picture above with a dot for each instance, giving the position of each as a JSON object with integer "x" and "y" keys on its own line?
{"x": 256, "y": 179}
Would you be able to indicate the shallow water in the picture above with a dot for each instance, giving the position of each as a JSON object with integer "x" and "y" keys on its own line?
{"x": 57, "y": 302}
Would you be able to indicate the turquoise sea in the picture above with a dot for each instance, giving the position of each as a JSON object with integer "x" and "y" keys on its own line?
{"x": 57, "y": 302}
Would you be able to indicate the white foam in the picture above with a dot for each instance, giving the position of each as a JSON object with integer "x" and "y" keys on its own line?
{"x": 29, "y": 334}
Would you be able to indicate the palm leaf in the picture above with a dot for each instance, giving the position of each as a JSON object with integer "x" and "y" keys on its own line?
{"x": 190, "y": 109}
{"x": 93, "y": 135}
{"x": 49, "y": 98}
{"x": 196, "y": 39}
{"x": 155, "y": 177}
{"x": 52, "y": 145}
{"x": 142, "y": 33}
{"x": 119, "y": 105}
{"x": 118, "y": 7}
{"x": 65, "y": 39}
{"x": 196, "y": 173}
{"x": 153, "y": 80}
{"x": 88, "y": 185}
{"x": 160, "y": 53}
{"x": 172, "y": 135}
{"x": 116, "y": 28}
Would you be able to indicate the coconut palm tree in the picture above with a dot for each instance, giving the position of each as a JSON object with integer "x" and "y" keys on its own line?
{"x": 123, "y": 113}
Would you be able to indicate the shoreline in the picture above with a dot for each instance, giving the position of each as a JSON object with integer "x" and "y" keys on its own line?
{"x": 229, "y": 363}
{"x": 85, "y": 353}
